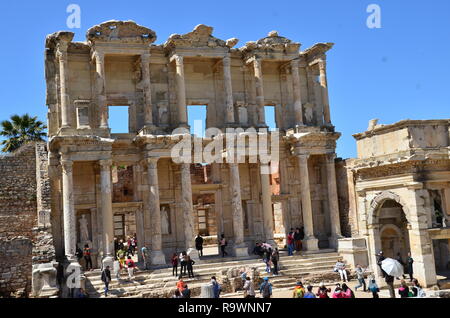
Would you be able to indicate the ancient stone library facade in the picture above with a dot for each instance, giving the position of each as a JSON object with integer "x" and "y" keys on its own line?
{"x": 89, "y": 185}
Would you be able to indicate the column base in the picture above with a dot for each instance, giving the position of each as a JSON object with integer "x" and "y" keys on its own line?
{"x": 193, "y": 253}
{"x": 157, "y": 258}
{"x": 334, "y": 241}
{"x": 108, "y": 261}
{"x": 240, "y": 250}
{"x": 311, "y": 244}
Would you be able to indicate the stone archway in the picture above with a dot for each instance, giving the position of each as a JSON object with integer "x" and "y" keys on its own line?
{"x": 379, "y": 200}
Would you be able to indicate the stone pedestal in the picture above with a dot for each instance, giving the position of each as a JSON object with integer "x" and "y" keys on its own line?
{"x": 311, "y": 244}
{"x": 240, "y": 251}
{"x": 157, "y": 258}
{"x": 193, "y": 253}
{"x": 354, "y": 251}
{"x": 108, "y": 261}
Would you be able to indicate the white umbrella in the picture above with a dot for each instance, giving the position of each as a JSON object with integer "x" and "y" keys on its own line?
{"x": 392, "y": 267}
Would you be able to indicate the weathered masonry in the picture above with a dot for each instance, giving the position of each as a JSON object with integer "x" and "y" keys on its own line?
{"x": 107, "y": 180}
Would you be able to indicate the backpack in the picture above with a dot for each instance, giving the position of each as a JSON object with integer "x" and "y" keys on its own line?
{"x": 266, "y": 290}
{"x": 299, "y": 293}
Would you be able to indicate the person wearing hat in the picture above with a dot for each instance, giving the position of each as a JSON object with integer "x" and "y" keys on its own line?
{"x": 323, "y": 291}
{"x": 309, "y": 293}
{"x": 266, "y": 288}
{"x": 299, "y": 290}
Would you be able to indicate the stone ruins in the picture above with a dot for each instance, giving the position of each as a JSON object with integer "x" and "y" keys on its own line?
{"x": 89, "y": 185}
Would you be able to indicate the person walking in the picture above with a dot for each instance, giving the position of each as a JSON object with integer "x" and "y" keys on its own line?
{"x": 130, "y": 267}
{"x": 87, "y": 257}
{"x": 297, "y": 240}
{"x": 223, "y": 244}
{"x": 380, "y": 259}
{"x": 403, "y": 290}
{"x": 190, "y": 266}
{"x": 323, "y": 291}
{"x": 390, "y": 283}
{"x": 216, "y": 287}
{"x": 266, "y": 288}
{"x": 373, "y": 288}
{"x": 121, "y": 255}
{"x": 249, "y": 288}
{"x": 309, "y": 293}
{"x": 174, "y": 262}
{"x": 409, "y": 267}
{"x": 340, "y": 268}
{"x": 360, "y": 276}
{"x": 299, "y": 290}
{"x": 290, "y": 243}
{"x": 199, "y": 244}
{"x": 183, "y": 258}
{"x": 106, "y": 279}
{"x": 116, "y": 267}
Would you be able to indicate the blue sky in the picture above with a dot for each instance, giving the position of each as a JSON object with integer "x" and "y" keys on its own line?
{"x": 399, "y": 71}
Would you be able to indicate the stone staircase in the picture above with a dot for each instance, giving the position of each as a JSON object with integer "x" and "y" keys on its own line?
{"x": 160, "y": 282}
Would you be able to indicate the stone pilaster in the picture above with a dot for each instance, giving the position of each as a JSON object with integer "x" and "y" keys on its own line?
{"x": 229, "y": 103}
{"x": 156, "y": 255}
{"x": 188, "y": 209}
{"x": 333, "y": 201}
{"x": 298, "y": 106}
{"x": 148, "y": 108}
{"x": 259, "y": 85}
{"x": 100, "y": 85}
{"x": 181, "y": 91}
{"x": 107, "y": 213}
{"x": 70, "y": 239}
{"x": 240, "y": 249}
{"x": 63, "y": 83}
{"x": 310, "y": 240}
{"x": 267, "y": 204}
{"x": 324, "y": 91}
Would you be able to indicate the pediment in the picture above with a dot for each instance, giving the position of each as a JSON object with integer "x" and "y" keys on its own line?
{"x": 122, "y": 32}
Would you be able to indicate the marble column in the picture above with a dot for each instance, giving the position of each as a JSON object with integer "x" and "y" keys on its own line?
{"x": 324, "y": 91}
{"x": 181, "y": 91}
{"x": 267, "y": 204}
{"x": 63, "y": 79}
{"x": 333, "y": 201}
{"x": 70, "y": 234}
{"x": 240, "y": 248}
{"x": 188, "y": 210}
{"x": 259, "y": 85}
{"x": 298, "y": 106}
{"x": 107, "y": 213}
{"x": 148, "y": 108}
{"x": 156, "y": 255}
{"x": 311, "y": 242}
{"x": 229, "y": 104}
{"x": 100, "y": 85}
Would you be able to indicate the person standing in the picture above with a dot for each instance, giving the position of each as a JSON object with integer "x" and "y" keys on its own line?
{"x": 380, "y": 259}
{"x": 299, "y": 290}
{"x": 183, "y": 258}
{"x": 409, "y": 267}
{"x": 130, "y": 266}
{"x": 309, "y": 293}
{"x": 174, "y": 262}
{"x": 106, "y": 279}
{"x": 116, "y": 267}
{"x": 297, "y": 240}
{"x": 266, "y": 288}
{"x": 290, "y": 242}
{"x": 144, "y": 255}
{"x": 87, "y": 257}
{"x": 249, "y": 288}
{"x": 400, "y": 260}
{"x": 390, "y": 283}
{"x": 199, "y": 244}
{"x": 216, "y": 287}
{"x": 360, "y": 276}
{"x": 323, "y": 291}
{"x": 373, "y": 288}
{"x": 223, "y": 244}
{"x": 274, "y": 259}
{"x": 190, "y": 266}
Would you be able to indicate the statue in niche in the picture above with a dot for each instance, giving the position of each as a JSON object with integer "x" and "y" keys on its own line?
{"x": 165, "y": 222}
{"x": 309, "y": 112}
{"x": 163, "y": 113}
{"x": 84, "y": 231}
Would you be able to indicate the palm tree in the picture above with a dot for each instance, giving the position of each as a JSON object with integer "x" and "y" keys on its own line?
{"x": 20, "y": 130}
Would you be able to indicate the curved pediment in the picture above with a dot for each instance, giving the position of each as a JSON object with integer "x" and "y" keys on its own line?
{"x": 122, "y": 32}
{"x": 272, "y": 42}
{"x": 201, "y": 36}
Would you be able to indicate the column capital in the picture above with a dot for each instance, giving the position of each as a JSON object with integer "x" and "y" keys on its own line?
{"x": 330, "y": 158}
{"x": 303, "y": 156}
{"x": 105, "y": 164}
{"x": 67, "y": 165}
{"x": 62, "y": 55}
{"x": 152, "y": 162}
{"x": 99, "y": 56}
{"x": 226, "y": 61}
{"x": 179, "y": 59}
{"x": 295, "y": 63}
{"x": 145, "y": 58}
{"x": 322, "y": 65}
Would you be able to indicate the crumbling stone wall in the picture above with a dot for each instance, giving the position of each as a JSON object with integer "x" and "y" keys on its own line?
{"x": 344, "y": 199}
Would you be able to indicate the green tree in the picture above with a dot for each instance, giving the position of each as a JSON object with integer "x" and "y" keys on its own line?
{"x": 20, "y": 130}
